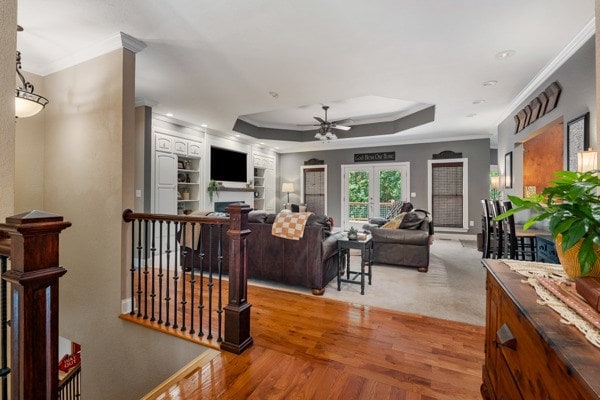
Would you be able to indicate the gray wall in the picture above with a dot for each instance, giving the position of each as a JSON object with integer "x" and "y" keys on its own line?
{"x": 477, "y": 151}
{"x": 577, "y": 79}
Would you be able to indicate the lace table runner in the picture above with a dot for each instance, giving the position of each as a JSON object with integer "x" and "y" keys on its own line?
{"x": 556, "y": 291}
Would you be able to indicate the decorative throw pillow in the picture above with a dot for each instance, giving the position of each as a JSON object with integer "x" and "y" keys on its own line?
{"x": 295, "y": 208}
{"x": 398, "y": 207}
{"x": 412, "y": 220}
{"x": 395, "y": 222}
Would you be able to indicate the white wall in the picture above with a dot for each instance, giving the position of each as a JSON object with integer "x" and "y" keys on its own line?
{"x": 576, "y": 77}
{"x": 88, "y": 163}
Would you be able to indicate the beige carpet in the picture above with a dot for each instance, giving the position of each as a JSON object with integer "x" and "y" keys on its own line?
{"x": 453, "y": 289}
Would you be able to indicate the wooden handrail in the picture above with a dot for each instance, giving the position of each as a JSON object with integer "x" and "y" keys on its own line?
{"x": 34, "y": 274}
{"x": 129, "y": 215}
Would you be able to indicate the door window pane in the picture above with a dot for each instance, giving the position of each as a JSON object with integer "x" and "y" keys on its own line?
{"x": 358, "y": 195}
{"x": 390, "y": 189}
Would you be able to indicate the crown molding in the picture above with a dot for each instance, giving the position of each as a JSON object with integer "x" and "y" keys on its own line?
{"x": 583, "y": 36}
{"x": 119, "y": 40}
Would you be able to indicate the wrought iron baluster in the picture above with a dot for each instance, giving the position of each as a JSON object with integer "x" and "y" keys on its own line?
{"x": 4, "y": 371}
{"x": 168, "y": 252}
{"x": 192, "y": 280}
{"x": 160, "y": 271}
{"x": 220, "y": 292}
{"x": 201, "y": 301}
{"x": 132, "y": 269}
{"x": 210, "y": 284}
{"x": 184, "y": 253}
{"x": 139, "y": 269}
{"x": 176, "y": 275}
{"x": 153, "y": 288}
{"x": 145, "y": 269}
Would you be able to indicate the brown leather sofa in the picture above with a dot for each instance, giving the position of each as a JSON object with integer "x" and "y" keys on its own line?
{"x": 311, "y": 262}
{"x": 403, "y": 246}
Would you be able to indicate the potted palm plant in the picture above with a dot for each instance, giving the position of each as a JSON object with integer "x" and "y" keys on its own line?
{"x": 572, "y": 207}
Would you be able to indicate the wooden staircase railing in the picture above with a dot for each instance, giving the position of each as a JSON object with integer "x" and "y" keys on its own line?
{"x": 187, "y": 302}
{"x": 33, "y": 248}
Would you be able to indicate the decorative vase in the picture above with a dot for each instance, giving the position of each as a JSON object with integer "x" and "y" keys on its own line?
{"x": 570, "y": 261}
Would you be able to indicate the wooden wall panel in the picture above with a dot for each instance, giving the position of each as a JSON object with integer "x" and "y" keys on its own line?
{"x": 543, "y": 156}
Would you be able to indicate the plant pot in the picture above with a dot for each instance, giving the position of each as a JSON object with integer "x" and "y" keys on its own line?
{"x": 570, "y": 261}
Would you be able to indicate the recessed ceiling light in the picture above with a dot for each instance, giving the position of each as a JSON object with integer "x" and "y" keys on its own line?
{"x": 274, "y": 94}
{"x": 478, "y": 101}
{"x": 490, "y": 83}
{"x": 204, "y": 125}
{"x": 169, "y": 114}
{"x": 238, "y": 135}
{"x": 503, "y": 55}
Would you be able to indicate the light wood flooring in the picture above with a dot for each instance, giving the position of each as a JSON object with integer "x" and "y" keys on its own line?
{"x": 309, "y": 347}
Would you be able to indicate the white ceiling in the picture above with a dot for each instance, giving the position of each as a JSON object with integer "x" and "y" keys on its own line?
{"x": 213, "y": 61}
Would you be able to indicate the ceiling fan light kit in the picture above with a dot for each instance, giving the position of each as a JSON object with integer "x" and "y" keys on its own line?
{"x": 325, "y": 127}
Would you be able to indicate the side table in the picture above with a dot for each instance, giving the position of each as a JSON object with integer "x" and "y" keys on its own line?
{"x": 366, "y": 255}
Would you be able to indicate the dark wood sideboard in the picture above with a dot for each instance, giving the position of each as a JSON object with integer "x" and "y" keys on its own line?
{"x": 529, "y": 353}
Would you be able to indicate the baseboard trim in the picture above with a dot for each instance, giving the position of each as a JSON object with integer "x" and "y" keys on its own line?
{"x": 455, "y": 236}
{"x": 126, "y": 305}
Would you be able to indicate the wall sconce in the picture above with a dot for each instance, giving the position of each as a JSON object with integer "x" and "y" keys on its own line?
{"x": 27, "y": 103}
{"x": 494, "y": 187}
{"x": 587, "y": 160}
{"x": 287, "y": 188}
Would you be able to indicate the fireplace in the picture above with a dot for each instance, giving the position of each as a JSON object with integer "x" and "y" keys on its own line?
{"x": 221, "y": 205}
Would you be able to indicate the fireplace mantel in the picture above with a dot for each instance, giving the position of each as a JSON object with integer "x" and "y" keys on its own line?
{"x": 234, "y": 189}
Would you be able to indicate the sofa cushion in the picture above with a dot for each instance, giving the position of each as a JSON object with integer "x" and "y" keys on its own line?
{"x": 399, "y": 207}
{"x": 257, "y": 217}
{"x": 413, "y": 220}
{"x": 395, "y": 222}
{"x": 401, "y": 236}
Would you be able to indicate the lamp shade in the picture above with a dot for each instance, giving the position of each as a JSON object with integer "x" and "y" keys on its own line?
{"x": 587, "y": 160}
{"x": 26, "y": 105}
{"x": 287, "y": 187}
{"x": 495, "y": 181}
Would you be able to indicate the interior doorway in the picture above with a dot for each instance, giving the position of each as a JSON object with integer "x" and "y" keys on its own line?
{"x": 369, "y": 191}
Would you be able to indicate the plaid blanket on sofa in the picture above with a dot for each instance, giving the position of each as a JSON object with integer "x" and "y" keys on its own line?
{"x": 290, "y": 225}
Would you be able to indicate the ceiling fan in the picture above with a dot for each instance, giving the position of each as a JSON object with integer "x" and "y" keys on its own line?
{"x": 326, "y": 126}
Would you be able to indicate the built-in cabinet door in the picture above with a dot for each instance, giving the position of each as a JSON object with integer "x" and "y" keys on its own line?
{"x": 180, "y": 146}
{"x": 270, "y": 190}
{"x": 166, "y": 183}
{"x": 194, "y": 149}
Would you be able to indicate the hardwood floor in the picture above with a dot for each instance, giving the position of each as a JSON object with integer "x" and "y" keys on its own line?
{"x": 309, "y": 347}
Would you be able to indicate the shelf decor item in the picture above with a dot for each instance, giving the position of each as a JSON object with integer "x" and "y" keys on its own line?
{"x": 572, "y": 206}
{"x": 213, "y": 187}
{"x": 352, "y": 233}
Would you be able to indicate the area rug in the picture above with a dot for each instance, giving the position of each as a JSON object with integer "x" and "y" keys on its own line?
{"x": 452, "y": 289}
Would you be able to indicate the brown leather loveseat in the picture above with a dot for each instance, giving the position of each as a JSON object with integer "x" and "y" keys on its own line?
{"x": 311, "y": 262}
{"x": 405, "y": 245}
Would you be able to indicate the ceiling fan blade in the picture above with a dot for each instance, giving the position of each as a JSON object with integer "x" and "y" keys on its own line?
{"x": 319, "y": 119}
{"x": 341, "y": 127}
{"x": 347, "y": 121}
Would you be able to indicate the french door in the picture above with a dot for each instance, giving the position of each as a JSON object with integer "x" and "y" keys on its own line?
{"x": 370, "y": 190}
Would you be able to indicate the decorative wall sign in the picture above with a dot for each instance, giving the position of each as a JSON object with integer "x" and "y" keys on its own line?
{"x": 538, "y": 107}
{"x": 578, "y": 138}
{"x": 382, "y": 156}
{"x": 446, "y": 155}
{"x": 314, "y": 161}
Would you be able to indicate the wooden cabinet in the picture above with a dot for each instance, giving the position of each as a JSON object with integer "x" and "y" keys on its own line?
{"x": 175, "y": 173}
{"x": 529, "y": 353}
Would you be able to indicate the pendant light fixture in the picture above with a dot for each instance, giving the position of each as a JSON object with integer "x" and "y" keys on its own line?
{"x": 27, "y": 103}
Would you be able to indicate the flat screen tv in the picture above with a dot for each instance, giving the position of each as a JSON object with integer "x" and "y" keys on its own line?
{"x": 227, "y": 165}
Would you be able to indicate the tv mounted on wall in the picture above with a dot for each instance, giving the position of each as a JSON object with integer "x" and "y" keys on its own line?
{"x": 227, "y": 165}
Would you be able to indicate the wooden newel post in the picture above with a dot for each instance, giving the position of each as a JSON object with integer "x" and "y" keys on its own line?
{"x": 237, "y": 311}
{"x": 34, "y": 277}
